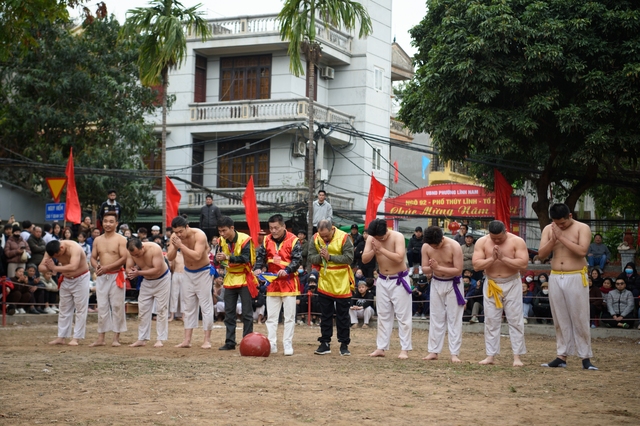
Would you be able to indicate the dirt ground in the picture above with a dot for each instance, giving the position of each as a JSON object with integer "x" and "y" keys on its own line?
{"x": 42, "y": 384}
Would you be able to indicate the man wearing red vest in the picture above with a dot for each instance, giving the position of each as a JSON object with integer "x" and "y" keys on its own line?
{"x": 280, "y": 254}
{"x": 331, "y": 253}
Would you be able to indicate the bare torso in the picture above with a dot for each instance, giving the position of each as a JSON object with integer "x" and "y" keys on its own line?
{"x": 74, "y": 256}
{"x": 178, "y": 263}
{"x": 152, "y": 257}
{"x": 198, "y": 254}
{"x": 448, "y": 255}
{"x": 108, "y": 249}
{"x": 511, "y": 249}
{"x": 565, "y": 259}
{"x": 394, "y": 242}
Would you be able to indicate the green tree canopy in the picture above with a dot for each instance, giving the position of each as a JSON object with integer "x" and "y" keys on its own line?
{"x": 547, "y": 91}
{"x": 78, "y": 89}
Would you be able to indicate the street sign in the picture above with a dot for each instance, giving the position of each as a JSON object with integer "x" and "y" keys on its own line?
{"x": 54, "y": 211}
{"x": 55, "y": 186}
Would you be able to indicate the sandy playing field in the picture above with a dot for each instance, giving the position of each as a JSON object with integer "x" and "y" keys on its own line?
{"x": 42, "y": 384}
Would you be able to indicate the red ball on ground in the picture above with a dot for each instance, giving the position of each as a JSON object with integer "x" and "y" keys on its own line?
{"x": 255, "y": 344}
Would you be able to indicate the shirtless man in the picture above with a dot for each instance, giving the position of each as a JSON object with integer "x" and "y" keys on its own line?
{"x": 196, "y": 288}
{"x": 147, "y": 261}
{"x": 74, "y": 290}
{"x": 568, "y": 286}
{"x": 502, "y": 255}
{"x": 177, "y": 278}
{"x": 108, "y": 257}
{"x": 393, "y": 292}
{"x": 442, "y": 257}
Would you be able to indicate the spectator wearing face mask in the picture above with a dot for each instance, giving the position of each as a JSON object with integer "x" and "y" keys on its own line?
{"x": 631, "y": 277}
{"x": 528, "y": 279}
{"x": 527, "y": 301}
{"x": 541, "y": 306}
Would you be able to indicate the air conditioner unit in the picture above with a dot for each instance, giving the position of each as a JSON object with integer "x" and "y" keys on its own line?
{"x": 327, "y": 73}
{"x": 299, "y": 148}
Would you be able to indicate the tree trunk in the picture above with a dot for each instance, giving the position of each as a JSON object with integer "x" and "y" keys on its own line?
{"x": 541, "y": 206}
{"x": 311, "y": 173}
{"x": 581, "y": 187}
{"x": 165, "y": 84}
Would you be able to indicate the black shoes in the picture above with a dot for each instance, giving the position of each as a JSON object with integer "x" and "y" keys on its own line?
{"x": 586, "y": 365}
{"x": 344, "y": 350}
{"x": 556, "y": 363}
{"x": 33, "y": 311}
{"x": 227, "y": 348}
{"x": 323, "y": 349}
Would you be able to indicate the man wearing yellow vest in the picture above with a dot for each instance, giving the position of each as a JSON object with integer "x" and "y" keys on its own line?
{"x": 280, "y": 254}
{"x": 568, "y": 285}
{"x": 502, "y": 255}
{"x": 238, "y": 255}
{"x": 331, "y": 253}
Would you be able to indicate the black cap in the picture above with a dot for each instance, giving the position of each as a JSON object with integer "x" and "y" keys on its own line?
{"x": 354, "y": 226}
{"x": 418, "y": 229}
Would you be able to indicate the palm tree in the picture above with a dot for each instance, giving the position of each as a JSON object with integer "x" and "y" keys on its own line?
{"x": 161, "y": 28}
{"x": 298, "y": 26}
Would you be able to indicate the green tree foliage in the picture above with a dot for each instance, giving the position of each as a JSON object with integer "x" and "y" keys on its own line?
{"x": 547, "y": 91}
{"x": 78, "y": 89}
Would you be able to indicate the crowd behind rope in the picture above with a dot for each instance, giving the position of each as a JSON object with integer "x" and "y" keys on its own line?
{"x": 613, "y": 300}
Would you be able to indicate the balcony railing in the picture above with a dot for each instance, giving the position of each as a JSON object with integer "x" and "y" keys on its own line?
{"x": 269, "y": 25}
{"x": 398, "y": 127}
{"x": 232, "y": 197}
{"x": 265, "y": 110}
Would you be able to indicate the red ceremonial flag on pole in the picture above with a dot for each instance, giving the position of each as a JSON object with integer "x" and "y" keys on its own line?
{"x": 376, "y": 193}
{"x": 395, "y": 173}
{"x": 503, "y": 191}
{"x": 251, "y": 209}
{"x": 72, "y": 212}
{"x": 173, "y": 201}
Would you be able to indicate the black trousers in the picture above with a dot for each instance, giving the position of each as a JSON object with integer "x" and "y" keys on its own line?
{"x": 330, "y": 306}
{"x": 230, "y": 301}
{"x": 608, "y": 319}
{"x": 210, "y": 233}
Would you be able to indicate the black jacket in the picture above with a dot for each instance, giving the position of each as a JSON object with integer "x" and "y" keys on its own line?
{"x": 209, "y": 216}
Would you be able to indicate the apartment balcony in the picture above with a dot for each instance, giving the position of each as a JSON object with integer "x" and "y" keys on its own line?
{"x": 261, "y": 32}
{"x": 284, "y": 198}
{"x": 261, "y": 114}
{"x": 450, "y": 172}
{"x": 399, "y": 132}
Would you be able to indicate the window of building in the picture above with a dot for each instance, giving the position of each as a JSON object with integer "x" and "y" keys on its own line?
{"x": 154, "y": 162}
{"x": 239, "y": 160}
{"x": 315, "y": 84}
{"x": 197, "y": 162}
{"x": 200, "y": 89}
{"x": 245, "y": 77}
{"x": 376, "y": 157}
{"x": 377, "y": 78}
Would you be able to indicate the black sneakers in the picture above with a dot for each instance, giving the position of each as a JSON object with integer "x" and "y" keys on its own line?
{"x": 586, "y": 365}
{"x": 556, "y": 363}
{"x": 227, "y": 348}
{"x": 344, "y": 350}
{"x": 323, "y": 349}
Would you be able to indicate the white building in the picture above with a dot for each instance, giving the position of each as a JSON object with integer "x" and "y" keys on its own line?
{"x": 239, "y": 111}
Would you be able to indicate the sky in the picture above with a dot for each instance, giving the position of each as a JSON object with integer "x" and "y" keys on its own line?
{"x": 405, "y": 13}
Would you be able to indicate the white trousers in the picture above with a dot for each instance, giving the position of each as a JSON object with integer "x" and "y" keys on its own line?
{"x": 512, "y": 307}
{"x": 364, "y": 314}
{"x": 176, "y": 284}
{"x": 196, "y": 292}
{"x": 274, "y": 303}
{"x": 569, "y": 300}
{"x": 444, "y": 311}
{"x": 111, "y": 312}
{"x": 218, "y": 308}
{"x": 393, "y": 299}
{"x": 74, "y": 294}
{"x": 154, "y": 291}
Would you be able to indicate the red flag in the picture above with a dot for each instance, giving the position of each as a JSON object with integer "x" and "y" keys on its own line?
{"x": 73, "y": 212}
{"x": 395, "y": 173}
{"x": 173, "y": 201}
{"x": 503, "y": 191}
{"x": 251, "y": 210}
{"x": 376, "y": 193}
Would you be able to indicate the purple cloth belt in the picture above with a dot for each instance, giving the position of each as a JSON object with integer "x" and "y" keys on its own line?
{"x": 456, "y": 281}
{"x": 400, "y": 280}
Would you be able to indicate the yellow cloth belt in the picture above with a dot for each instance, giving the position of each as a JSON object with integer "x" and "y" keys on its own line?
{"x": 584, "y": 271}
{"x": 495, "y": 291}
